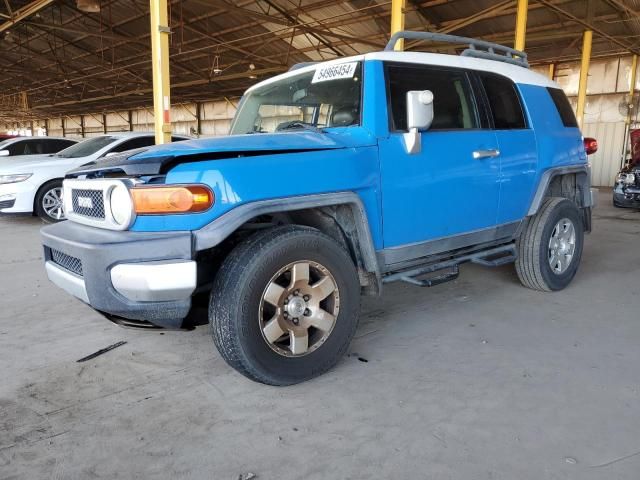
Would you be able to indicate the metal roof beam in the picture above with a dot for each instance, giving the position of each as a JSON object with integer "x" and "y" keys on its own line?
{"x": 24, "y": 12}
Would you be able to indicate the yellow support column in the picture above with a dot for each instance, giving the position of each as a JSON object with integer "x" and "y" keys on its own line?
{"x": 632, "y": 86}
{"x": 552, "y": 71}
{"x": 160, "y": 66}
{"x": 584, "y": 75}
{"x": 397, "y": 20}
{"x": 521, "y": 24}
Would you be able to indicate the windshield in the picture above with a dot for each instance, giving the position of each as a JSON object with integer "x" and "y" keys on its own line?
{"x": 86, "y": 148}
{"x": 328, "y": 96}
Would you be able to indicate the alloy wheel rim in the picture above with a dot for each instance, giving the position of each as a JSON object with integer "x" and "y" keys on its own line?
{"x": 52, "y": 203}
{"x": 299, "y": 308}
{"x": 562, "y": 246}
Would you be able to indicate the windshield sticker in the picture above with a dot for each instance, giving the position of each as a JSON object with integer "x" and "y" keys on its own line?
{"x": 335, "y": 72}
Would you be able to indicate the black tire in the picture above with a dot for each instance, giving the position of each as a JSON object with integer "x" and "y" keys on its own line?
{"x": 533, "y": 266}
{"x": 39, "y": 207}
{"x": 238, "y": 289}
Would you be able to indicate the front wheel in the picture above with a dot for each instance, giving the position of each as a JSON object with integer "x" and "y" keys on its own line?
{"x": 550, "y": 246}
{"x": 285, "y": 305}
{"x": 48, "y": 202}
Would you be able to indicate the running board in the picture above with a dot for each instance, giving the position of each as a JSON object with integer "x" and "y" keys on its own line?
{"x": 493, "y": 257}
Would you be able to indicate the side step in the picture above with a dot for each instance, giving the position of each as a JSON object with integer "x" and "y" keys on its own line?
{"x": 493, "y": 257}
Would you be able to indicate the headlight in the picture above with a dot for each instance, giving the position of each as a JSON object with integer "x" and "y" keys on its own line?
{"x": 121, "y": 205}
{"x": 626, "y": 178}
{"x": 14, "y": 178}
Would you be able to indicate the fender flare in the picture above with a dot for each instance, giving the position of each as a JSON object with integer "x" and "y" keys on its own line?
{"x": 583, "y": 178}
{"x": 217, "y": 231}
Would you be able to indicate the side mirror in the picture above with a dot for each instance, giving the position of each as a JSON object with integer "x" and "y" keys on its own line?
{"x": 419, "y": 118}
{"x": 110, "y": 154}
{"x": 4, "y": 153}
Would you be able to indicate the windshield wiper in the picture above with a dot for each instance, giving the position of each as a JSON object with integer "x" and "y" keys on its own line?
{"x": 303, "y": 125}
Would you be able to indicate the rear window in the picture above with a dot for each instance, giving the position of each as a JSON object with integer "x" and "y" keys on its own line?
{"x": 504, "y": 101}
{"x": 564, "y": 107}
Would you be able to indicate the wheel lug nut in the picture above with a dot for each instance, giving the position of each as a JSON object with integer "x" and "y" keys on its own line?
{"x": 296, "y": 321}
{"x": 296, "y": 292}
{"x": 307, "y": 312}
{"x": 286, "y": 315}
{"x": 306, "y": 298}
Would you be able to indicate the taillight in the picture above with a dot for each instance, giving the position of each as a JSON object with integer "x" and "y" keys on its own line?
{"x": 590, "y": 145}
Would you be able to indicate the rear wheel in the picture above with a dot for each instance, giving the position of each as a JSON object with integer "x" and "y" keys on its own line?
{"x": 285, "y": 305}
{"x": 48, "y": 202}
{"x": 550, "y": 247}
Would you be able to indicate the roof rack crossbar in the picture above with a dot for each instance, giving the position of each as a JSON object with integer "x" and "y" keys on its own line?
{"x": 477, "y": 48}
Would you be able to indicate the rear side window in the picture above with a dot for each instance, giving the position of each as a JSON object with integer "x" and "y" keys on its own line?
{"x": 504, "y": 102}
{"x": 55, "y": 145}
{"x": 138, "y": 142}
{"x": 564, "y": 107}
{"x": 453, "y": 105}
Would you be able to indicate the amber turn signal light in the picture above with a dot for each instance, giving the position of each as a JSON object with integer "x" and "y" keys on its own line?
{"x": 167, "y": 200}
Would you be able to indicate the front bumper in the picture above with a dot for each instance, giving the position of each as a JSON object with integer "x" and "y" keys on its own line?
{"x": 133, "y": 275}
{"x": 627, "y": 196}
{"x": 17, "y": 197}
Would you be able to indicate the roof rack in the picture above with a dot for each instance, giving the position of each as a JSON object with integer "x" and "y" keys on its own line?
{"x": 298, "y": 66}
{"x": 477, "y": 48}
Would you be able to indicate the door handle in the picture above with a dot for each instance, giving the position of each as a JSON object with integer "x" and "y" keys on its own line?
{"x": 480, "y": 154}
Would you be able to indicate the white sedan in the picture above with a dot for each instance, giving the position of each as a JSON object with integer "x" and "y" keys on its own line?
{"x": 33, "y": 184}
{"x": 20, "y": 146}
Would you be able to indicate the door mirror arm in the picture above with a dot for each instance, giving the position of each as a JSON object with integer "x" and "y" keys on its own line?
{"x": 419, "y": 118}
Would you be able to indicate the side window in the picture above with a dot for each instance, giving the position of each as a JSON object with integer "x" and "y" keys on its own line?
{"x": 19, "y": 148}
{"x": 564, "y": 107}
{"x": 134, "y": 143}
{"x": 54, "y": 145}
{"x": 453, "y": 104}
{"x": 504, "y": 102}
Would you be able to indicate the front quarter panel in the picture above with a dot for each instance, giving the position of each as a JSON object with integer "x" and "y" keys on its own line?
{"x": 242, "y": 180}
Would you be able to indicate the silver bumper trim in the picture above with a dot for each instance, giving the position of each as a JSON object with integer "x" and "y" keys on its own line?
{"x": 67, "y": 281}
{"x": 155, "y": 281}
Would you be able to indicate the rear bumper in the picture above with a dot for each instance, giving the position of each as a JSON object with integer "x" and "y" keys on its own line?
{"x": 133, "y": 275}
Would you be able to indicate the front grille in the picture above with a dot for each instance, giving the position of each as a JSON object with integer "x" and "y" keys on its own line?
{"x": 88, "y": 203}
{"x": 72, "y": 264}
{"x": 7, "y": 204}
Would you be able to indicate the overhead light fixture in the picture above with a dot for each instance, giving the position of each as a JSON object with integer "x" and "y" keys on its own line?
{"x": 88, "y": 6}
{"x": 252, "y": 75}
{"x": 216, "y": 65}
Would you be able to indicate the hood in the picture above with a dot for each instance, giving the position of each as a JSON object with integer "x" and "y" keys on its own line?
{"x": 23, "y": 163}
{"x": 161, "y": 158}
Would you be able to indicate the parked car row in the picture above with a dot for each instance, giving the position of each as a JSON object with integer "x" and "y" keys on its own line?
{"x": 32, "y": 169}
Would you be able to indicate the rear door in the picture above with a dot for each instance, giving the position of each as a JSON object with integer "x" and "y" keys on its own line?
{"x": 451, "y": 187}
{"x": 517, "y": 144}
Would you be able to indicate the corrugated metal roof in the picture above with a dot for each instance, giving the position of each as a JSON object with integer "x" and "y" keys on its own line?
{"x": 60, "y": 61}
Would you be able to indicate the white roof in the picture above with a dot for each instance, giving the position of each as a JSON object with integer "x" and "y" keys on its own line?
{"x": 517, "y": 74}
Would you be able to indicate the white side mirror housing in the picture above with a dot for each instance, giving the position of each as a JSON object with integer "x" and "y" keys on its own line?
{"x": 419, "y": 118}
{"x": 4, "y": 153}
{"x": 110, "y": 154}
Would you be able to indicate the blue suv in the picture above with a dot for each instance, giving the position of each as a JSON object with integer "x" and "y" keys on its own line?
{"x": 337, "y": 178}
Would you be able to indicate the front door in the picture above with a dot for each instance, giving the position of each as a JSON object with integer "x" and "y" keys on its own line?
{"x": 452, "y": 186}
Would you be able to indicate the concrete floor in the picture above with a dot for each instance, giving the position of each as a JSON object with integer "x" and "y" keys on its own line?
{"x": 477, "y": 379}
